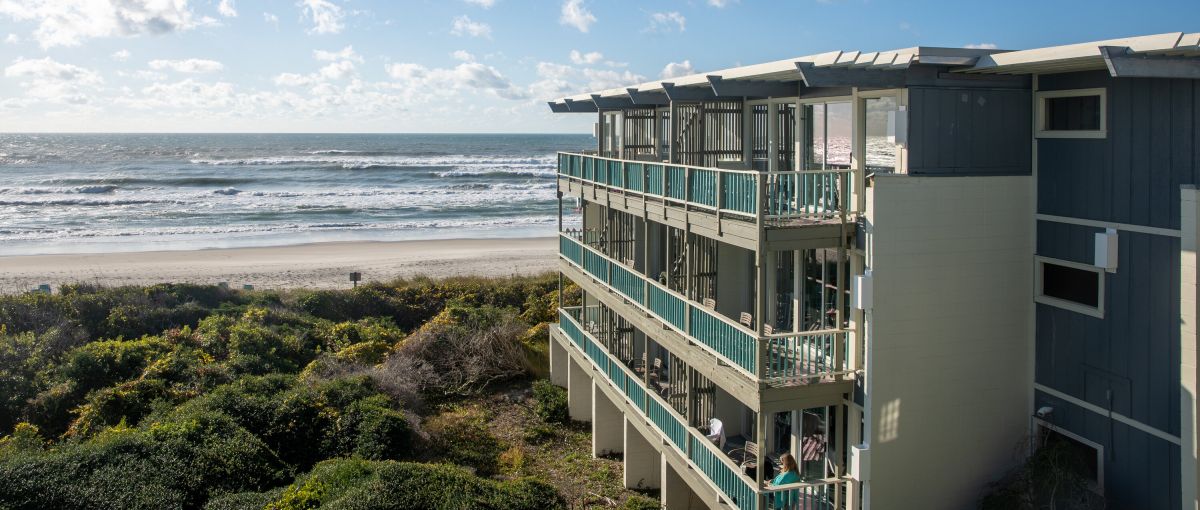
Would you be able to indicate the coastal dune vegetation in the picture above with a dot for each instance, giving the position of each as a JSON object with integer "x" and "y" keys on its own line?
{"x": 413, "y": 394}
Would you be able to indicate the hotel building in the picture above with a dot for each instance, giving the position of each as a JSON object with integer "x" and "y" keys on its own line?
{"x": 909, "y": 269}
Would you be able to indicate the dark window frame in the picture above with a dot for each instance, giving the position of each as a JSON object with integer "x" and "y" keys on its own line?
{"x": 1043, "y": 100}
{"x": 1062, "y": 301}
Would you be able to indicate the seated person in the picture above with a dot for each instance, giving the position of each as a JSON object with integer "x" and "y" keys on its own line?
{"x": 790, "y": 473}
{"x": 716, "y": 432}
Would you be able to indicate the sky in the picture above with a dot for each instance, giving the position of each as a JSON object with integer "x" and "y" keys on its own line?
{"x": 457, "y": 65}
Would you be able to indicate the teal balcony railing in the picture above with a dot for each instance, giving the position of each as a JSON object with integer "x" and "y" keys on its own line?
{"x": 746, "y": 194}
{"x": 720, "y": 471}
{"x": 779, "y": 359}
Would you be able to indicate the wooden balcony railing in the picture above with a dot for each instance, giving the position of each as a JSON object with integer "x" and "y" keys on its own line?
{"x": 720, "y": 471}
{"x": 767, "y": 197}
{"x": 779, "y": 359}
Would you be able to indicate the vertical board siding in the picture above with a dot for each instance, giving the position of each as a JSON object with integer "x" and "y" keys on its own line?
{"x": 1132, "y": 175}
{"x": 1137, "y": 341}
{"x": 1141, "y": 471}
{"x": 956, "y": 131}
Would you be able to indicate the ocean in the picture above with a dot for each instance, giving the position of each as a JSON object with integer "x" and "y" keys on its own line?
{"x": 88, "y": 193}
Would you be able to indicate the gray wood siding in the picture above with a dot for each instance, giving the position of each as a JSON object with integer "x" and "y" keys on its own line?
{"x": 1141, "y": 471}
{"x": 1135, "y": 347}
{"x": 1134, "y": 174}
{"x": 969, "y": 131}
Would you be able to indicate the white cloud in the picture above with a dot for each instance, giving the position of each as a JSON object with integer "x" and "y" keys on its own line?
{"x": 327, "y": 17}
{"x": 227, "y": 9}
{"x": 463, "y": 55}
{"x": 576, "y": 15}
{"x": 187, "y": 94}
{"x": 467, "y": 75}
{"x": 463, "y": 25}
{"x": 346, "y": 53}
{"x": 585, "y": 58}
{"x": 982, "y": 46}
{"x": 68, "y": 23}
{"x": 677, "y": 69}
{"x": 12, "y": 39}
{"x": 667, "y": 21}
{"x": 271, "y": 18}
{"x": 191, "y": 65}
{"x": 561, "y": 79}
{"x": 486, "y": 4}
{"x": 120, "y": 55}
{"x": 53, "y": 81}
{"x": 720, "y": 4}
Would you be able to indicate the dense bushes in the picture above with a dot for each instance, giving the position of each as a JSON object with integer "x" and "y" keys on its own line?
{"x": 462, "y": 437}
{"x": 550, "y": 402}
{"x": 185, "y": 396}
{"x": 389, "y": 485}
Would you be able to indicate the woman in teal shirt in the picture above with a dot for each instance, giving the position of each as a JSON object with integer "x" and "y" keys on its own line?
{"x": 789, "y": 473}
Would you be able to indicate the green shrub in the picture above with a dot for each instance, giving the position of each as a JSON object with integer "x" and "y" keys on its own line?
{"x": 461, "y": 436}
{"x": 550, "y": 402}
{"x": 639, "y": 502}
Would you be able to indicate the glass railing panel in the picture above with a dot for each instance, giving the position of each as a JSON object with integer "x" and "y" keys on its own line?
{"x": 801, "y": 357}
{"x": 739, "y": 192}
{"x": 668, "y": 307}
{"x": 668, "y": 424}
{"x": 635, "y": 176}
{"x": 628, "y": 283}
{"x": 722, "y": 475}
{"x": 726, "y": 339}
{"x": 676, "y": 182}
{"x": 654, "y": 179}
{"x": 704, "y": 187}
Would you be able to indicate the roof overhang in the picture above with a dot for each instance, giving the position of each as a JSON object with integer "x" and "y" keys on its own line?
{"x": 1084, "y": 56}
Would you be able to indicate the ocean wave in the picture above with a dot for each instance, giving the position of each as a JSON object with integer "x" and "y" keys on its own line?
{"x": 100, "y": 188}
{"x": 358, "y": 162}
{"x": 86, "y": 202}
{"x": 165, "y": 180}
{"x": 227, "y": 191}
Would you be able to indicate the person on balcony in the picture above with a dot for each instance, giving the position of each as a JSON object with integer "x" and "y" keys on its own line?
{"x": 788, "y": 473}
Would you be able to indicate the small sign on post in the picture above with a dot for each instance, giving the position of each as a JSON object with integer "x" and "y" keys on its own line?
{"x": 355, "y": 277}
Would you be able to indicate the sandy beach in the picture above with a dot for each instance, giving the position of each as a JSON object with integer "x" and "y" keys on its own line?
{"x": 319, "y": 265}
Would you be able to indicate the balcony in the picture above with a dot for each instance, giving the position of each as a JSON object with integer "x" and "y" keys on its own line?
{"x": 769, "y": 199}
{"x": 691, "y": 444}
{"x": 775, "y": 360}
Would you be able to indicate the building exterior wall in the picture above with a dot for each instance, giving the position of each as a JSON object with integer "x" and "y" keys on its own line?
{"x": 1116, "y": 380}
{"x": 948, "y": 343}
{"x": 968, "y": 131}
{"x": 1132, "y": 175}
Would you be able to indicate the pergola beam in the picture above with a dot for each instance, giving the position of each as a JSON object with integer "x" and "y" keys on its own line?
{"x": 648, "y": 98}
{"x": 688, "y": 93}
{"x": 752, "y": 88}
{"x": 612, "y": 102}
{"x": 814, "y": 76}
{"x": 580, "y": 106}
{"x": 1123, "y": 63}
{"x": 558, "y": 107}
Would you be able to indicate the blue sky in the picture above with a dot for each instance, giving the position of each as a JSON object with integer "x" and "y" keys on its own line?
{"x": 455, "y": 65}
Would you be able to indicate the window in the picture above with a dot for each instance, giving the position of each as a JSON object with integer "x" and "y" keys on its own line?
{"x": 1073, "y": 453}
{"x": 1072, "y": 114}
{"x": 828, "y": 129}
{"x": 1071, "y": 285}
{"x": 881, "y": 149}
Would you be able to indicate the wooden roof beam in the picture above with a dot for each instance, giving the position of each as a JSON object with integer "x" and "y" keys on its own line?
{"x": 558, "y": 107}
{"x": 688, "y": 93}
{"x": 1123, "y": 63}
{"x": 753, "y": 88}
{"x": 580, "y": 106}
{"x": 814, "y": 76}
{"x": 648, "y": 98}
{"x": 612, "y": 102}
